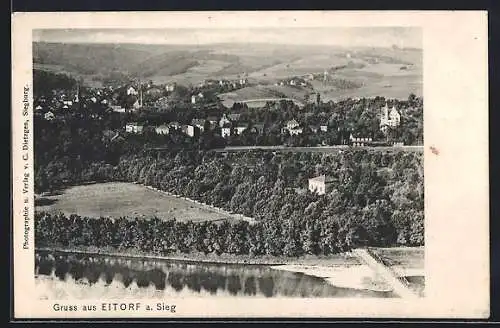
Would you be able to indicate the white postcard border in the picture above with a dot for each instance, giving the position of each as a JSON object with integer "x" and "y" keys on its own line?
{"x": 456, "y": 179}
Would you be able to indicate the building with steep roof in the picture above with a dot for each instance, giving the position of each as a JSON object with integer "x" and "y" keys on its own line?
{"x": 321, "y": 184}
{"x": 162, "y": 129}
{"x": 389, "y": 118}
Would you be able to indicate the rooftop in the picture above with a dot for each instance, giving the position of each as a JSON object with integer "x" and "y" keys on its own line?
{"x": 323, "y": 178}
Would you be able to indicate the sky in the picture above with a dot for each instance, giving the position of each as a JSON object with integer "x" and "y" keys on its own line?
{"x": 338, "y": 36}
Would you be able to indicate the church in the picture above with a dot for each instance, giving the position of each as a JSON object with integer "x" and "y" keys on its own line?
{"x": 389, "y": 118}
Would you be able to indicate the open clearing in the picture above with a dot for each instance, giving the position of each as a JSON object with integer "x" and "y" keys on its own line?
{"x": 117, "y": 199}
{"x": 257, "y": 96}
{"x": 408, "y": 257}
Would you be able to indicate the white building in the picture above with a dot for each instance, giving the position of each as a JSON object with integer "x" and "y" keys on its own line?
{"x": 295, "y": 132}
{"x": 162, "y": 129}
{"x": 321, "y": 184}
{"x": 224, "y": 120}
{"x": 360, "y": 141}
{"x": 137, "y": 105}
{"x": 49, "y": 116}
{"x": 293, "y": 127}
{"x": 292, "y": 124}
{"x": 189, "y": 130}
{"x": 225, "y": 132}
{"x": 196, "y": 98}
{"x": 131, "y": 91}
{"x": 134, "y": 127}
{"x": 118, "y": 109}
{"x": 199, "y": 123}
{"x": 174, "y": 125}
{"x": 389, "y": 118}
{"x": 239, "y": 129}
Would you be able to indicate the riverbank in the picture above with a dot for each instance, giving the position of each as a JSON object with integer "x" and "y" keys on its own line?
{"x": 356, "y": 276}
{"x": 338, "y": 259}
{"x": 340, "y": 270}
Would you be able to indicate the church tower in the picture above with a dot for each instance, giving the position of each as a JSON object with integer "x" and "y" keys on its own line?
{"x": 77, "y": 99}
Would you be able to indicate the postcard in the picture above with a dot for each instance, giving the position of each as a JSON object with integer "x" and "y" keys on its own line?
{"x": 286, "y": 164}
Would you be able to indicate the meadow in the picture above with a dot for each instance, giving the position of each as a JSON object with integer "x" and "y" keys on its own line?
{"x": 117, "y": 199}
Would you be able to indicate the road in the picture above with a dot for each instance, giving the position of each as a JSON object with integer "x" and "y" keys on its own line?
{"x": 385, "y": 272}
{"x": 322, "y": 149}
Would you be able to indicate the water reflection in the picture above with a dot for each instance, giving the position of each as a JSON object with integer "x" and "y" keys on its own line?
{"x": 211, "y": 278}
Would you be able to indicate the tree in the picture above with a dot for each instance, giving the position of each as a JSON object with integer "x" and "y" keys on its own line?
{"x": 310, "y": 238}
{"x": 292, "y": 247}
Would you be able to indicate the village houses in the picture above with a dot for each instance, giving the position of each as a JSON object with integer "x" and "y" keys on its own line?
{"x": 229, "y": 119}
{"x": 197, "y": 98}
{"x": 359, "y": 141}
{"x": 170, "y": 87}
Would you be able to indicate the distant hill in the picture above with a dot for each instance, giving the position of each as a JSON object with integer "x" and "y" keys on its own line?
{"x": 379, "y": 68}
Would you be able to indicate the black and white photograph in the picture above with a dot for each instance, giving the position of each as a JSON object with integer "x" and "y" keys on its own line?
{"x": 226, "y": 162}
{"x": 238, "y": 165}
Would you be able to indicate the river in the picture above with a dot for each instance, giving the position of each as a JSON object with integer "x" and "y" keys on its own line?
{"x": 80, "y": 276}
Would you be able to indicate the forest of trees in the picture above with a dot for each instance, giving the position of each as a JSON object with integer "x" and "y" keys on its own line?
{"x": 377, "y": 199}
{"x": 45, "y": 82}
{"x": 159, "y": 237}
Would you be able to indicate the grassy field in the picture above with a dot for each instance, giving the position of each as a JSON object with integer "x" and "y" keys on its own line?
{"x": 116, "y": 199}
{"x": 259, "y": 94}
{"x": 409, "y": 257}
